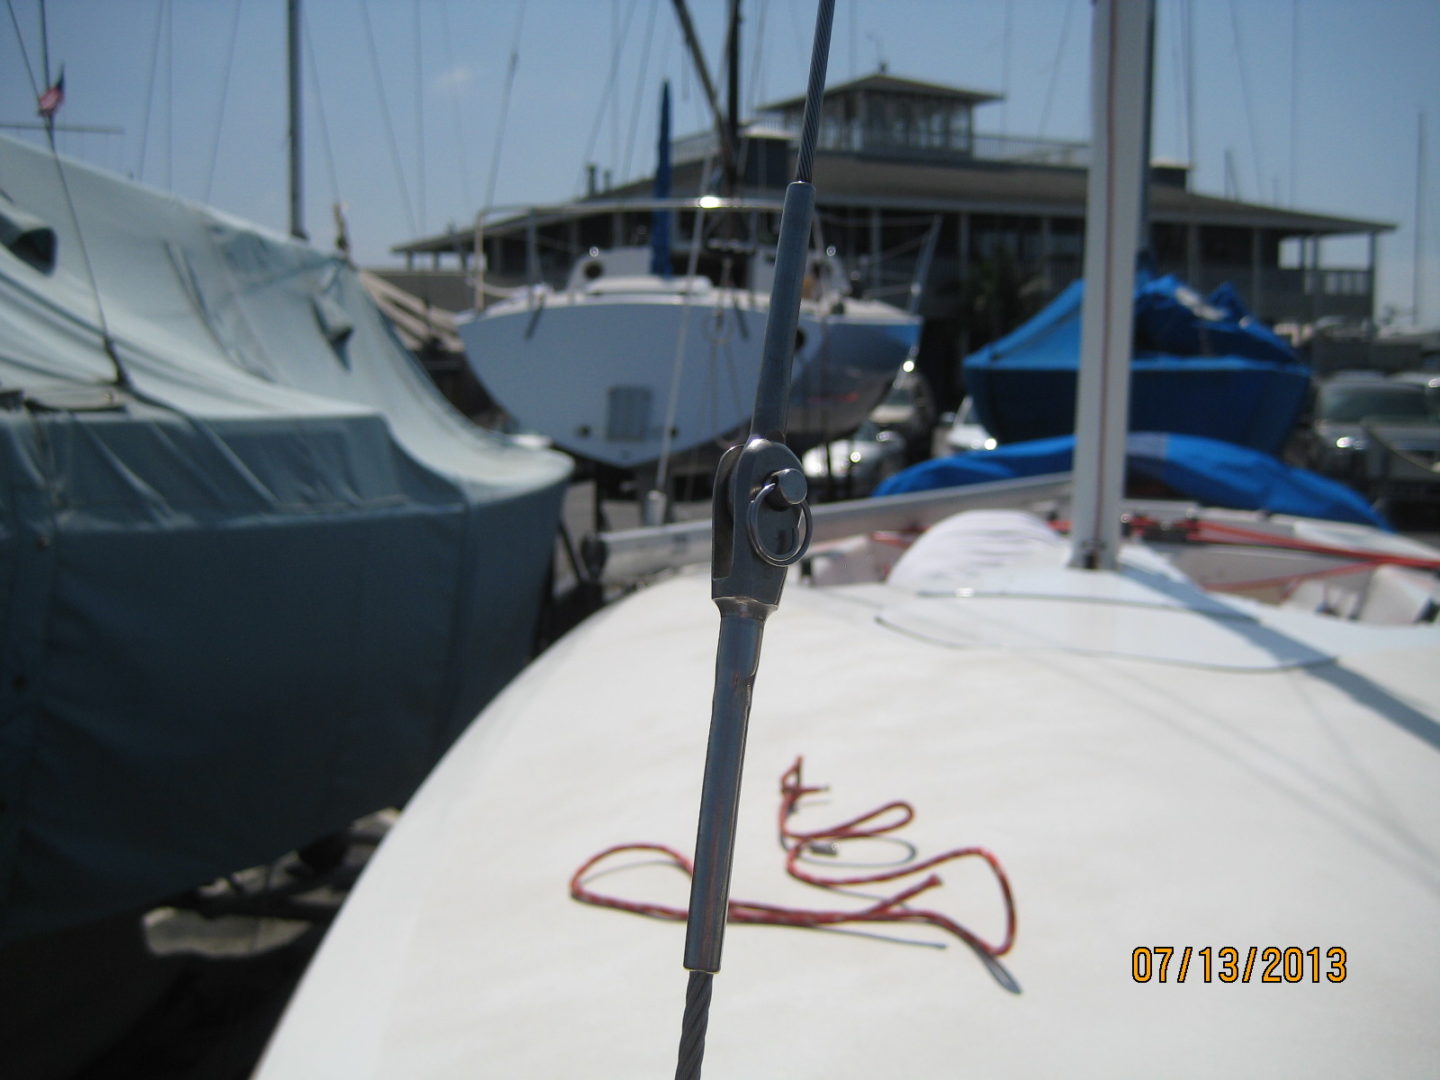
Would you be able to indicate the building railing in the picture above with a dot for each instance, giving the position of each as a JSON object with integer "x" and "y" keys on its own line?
{"x": 955, "y": 146}
{"x": 1032, "y": 151}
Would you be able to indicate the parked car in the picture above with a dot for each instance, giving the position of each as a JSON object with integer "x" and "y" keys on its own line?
{"x": 966, "y": 432}
{"x": 1430, "y": 380}
{"x": 908, "y": 409}
{"x": 1378, "y": 434}
{"x": 857, "y": 464}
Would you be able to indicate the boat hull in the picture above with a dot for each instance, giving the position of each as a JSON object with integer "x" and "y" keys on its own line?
{"x": 1151, "y": 772}
{"x": 600, "y": 375}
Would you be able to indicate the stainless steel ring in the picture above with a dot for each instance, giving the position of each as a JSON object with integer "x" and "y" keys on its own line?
{"x": 752, "y": 526}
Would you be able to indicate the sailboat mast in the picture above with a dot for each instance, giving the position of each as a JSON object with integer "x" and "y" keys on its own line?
{"x": 660, "y": 216}
{"x": 692, "y": 42}
{"x": 1146, "y": 247}
{"x": 732, "y": 105}
{"x": 1119, "y": 103}
{"x": 292, "y": 36}
{"x": 1419, "y": 218}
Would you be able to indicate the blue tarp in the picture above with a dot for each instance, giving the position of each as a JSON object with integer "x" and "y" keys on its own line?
{"x": 1201, "y": 366}
{"x": 1210, "y": 471}
{"x": 1172, "y": 318}
{"x": 253, "y": 590}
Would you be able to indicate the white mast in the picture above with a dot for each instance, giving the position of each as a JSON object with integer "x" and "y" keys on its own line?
{"x": 1120, "y": 102}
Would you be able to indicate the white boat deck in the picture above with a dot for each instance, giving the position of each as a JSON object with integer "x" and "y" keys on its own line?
{"x": 1133, "y": 801}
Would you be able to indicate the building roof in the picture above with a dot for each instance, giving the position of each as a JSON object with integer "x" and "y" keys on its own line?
{"x": 982, "y": 187}
{"x": 979, "y": 184}
{"x": 1013, "y": 188}
{"x": 885, "y": 82}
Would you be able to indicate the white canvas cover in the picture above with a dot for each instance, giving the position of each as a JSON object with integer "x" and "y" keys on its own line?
{"x": 255, "y": 573}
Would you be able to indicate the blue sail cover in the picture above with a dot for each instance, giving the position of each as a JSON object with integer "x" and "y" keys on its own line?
{"x": 252, "y": 591}
{"x": 1201, "y": 366}
{"x": 1209, "y": 471}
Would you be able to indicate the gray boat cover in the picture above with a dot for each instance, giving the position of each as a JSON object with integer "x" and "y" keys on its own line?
{"x": 255, "y": 573}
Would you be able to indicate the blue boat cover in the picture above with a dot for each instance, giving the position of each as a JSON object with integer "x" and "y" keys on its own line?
{"x": 1209, "y": 471}
{"x": 251, "y": 589}
{"x": 1201, "y": 366}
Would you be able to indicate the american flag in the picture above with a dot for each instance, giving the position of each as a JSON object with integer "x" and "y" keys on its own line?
{"x": 51, "y": 100}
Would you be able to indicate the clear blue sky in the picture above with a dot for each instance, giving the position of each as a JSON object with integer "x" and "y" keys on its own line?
{"x": 1308, "y": 103}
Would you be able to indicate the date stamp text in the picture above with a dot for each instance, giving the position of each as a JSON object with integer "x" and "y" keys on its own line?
{"x": 1229, "y": 964}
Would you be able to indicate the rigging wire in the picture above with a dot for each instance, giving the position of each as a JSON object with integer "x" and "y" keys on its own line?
{"x": 755, "y": 79}
{"x": 169, "y": 96}
{"x": 1188, "y": 30}
{"x": 667, "y": 45}
{"x": 1417, "y": 290}
{"x": 419, "y": 124}
{"x": 605, "y": 96}
{"x": 616, "y": 37}
{"x": 1005, "y": 71}
{"x": 673, "y": 402}
{"x": 797, "y": 35}
{"x": 315, "y": 84}
{"x": 746, "y": 581}
{"x": 1249, "y": 103}
{"x": 44, "y": 46}
{"x": 1055, "y": 69}
{"x": 107, "y": 342}
{"x": 224, "y": 94}
{"x": 639, "y": 89}
{"x": 35, "y": 90}
{"x": 462, "y": 167}
{"x": 385, "y": 118}
{"x": 1169, "y": 34}
{"x": 510, "y": 70}
{"x": 150, "y": 88}
{"x": 1177, "y": 57}
{"x": 1295, "y": 98}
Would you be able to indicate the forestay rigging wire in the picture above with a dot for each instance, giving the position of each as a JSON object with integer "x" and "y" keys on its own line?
{"x": 1055, "y": 69}
{"x": 1249, "y": 101}
{"x": 122, "y": 376}
{"x": 150, "y": 89}
{"x": 640, "y": 80}
{"x": 385, "y": 118}
{"x": 325, "y": 140}
{"x": 673, "y": 402}
{"x": 419, "y": 125}
{"x": 605, "y": 96}
{"x": 224, "y": 95}
{"x": 461, "y": 143}
{"x": 512, "y": 66}
{"x": 24, "y": 53}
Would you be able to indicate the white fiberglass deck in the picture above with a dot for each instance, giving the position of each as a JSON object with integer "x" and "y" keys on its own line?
{"x": 1132, "y": 802}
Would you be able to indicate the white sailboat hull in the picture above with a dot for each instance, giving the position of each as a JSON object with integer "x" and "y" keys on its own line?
{"x": 599, "y": 373}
